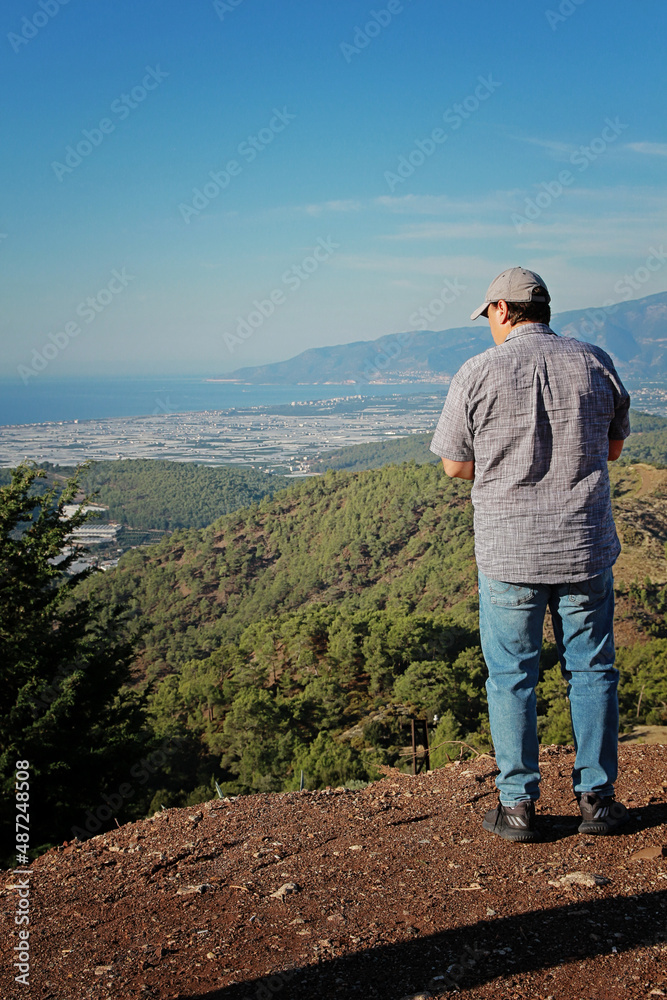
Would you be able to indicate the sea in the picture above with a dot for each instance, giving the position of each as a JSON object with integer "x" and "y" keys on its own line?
{"x": 53, "y": 400}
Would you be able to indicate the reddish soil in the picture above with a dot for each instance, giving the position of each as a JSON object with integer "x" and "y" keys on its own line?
{"x": 399, "y": 893}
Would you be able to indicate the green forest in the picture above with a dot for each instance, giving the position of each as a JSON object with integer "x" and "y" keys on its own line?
{"x": 148, "y": 493}
{"x": 374, "y": 455}
{"x": 296, "y": 634}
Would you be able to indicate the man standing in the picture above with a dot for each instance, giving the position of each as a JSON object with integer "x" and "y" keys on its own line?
{"x": 533, "y": 422}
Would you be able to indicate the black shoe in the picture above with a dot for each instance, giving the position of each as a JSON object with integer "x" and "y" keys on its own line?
{"x": 600, "y": 815}
{"x": 512, "y": 822}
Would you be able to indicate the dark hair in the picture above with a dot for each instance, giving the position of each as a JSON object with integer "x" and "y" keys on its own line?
{"x": 528, "y": 312}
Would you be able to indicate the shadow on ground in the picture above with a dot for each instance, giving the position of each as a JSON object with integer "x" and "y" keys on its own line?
{"x": 470, "y": 956}
{"x": 554, "y": 827}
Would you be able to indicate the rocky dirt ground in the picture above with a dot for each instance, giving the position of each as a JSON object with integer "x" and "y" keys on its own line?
{"x": 387, "y": 892}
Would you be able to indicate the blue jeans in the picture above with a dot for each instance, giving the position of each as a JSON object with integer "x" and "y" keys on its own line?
{"x": 511, "y": 617}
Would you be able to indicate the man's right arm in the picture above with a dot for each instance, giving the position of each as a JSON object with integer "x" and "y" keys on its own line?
{"x": 453, "y": 438}
{"x": 459, "y": 470}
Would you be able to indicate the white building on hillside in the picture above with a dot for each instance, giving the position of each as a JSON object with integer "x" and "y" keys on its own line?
{"x": 94, "y": 532}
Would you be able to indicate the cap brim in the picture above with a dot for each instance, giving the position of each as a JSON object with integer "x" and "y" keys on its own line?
{"x": 482, "y": 311}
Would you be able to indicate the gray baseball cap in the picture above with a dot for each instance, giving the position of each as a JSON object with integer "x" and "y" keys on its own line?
{"x": 517, "y": 284}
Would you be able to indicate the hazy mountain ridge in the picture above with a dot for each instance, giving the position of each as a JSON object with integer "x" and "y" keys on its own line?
{"x": 633, "y": 332}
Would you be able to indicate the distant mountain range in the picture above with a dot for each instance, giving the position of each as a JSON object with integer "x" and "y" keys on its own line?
{"x": 634, "y": 333}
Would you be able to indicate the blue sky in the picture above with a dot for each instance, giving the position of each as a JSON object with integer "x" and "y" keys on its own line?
{"x": 525, "y": 132}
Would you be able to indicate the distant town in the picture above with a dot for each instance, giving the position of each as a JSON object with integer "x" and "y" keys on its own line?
{"x": 276, "y": 438}
{"x": 271, "y": 439}
{"x": 650, "y": 397}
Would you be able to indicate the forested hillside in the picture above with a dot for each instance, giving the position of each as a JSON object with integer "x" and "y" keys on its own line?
{"x": 401, "y": 534}
{"x": 374, "y": 455}
{"x": 147, "y": 493}
{"x": 648, "y": 441}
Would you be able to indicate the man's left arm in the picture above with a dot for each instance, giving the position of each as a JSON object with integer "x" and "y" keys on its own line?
{"x": 615, "y": 449}
{"x": 619, "y": 428}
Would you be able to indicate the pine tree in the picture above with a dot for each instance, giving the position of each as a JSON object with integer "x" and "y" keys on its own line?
{"x": 63, "y": 662}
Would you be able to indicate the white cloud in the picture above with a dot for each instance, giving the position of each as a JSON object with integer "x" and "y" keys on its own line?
{"x": 340, "y": 205}
{"x": 581, "y": 222}
{"x": 440, "y": 266}
{"x": 405, "y": 283}
{"x": 473, "y": 230}
{"x": 559, "y": 149}
{"x": 648, "y": 148}
{"x": 411, "y": 204}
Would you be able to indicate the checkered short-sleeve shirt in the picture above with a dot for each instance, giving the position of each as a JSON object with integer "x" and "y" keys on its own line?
{"x": 536, "y": 414}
